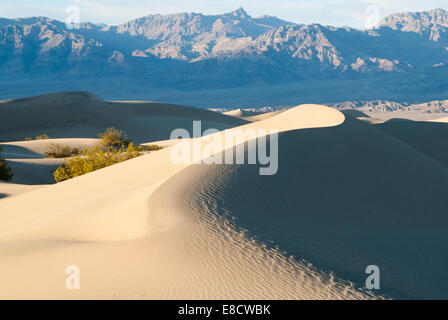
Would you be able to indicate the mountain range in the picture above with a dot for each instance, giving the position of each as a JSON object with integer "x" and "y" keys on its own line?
{"x": 191, "y": 51}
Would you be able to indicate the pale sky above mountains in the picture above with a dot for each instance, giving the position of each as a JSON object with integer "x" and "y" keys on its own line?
{"x": 353, "y": 13}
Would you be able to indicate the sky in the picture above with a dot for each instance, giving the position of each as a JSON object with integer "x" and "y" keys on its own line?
{"x": 353, "y": 13}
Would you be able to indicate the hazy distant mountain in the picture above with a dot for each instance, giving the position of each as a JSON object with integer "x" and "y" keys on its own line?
{"x": 432, "y": 24}
{"x": 193, "y": 36}
{"x": 192, "y": 50}
{"x": 431, "y": 107}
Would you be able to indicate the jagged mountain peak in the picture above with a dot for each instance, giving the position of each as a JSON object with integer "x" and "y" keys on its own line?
{"x": 239, "y": 13}
{"x": 414, "y": 21}
{"x": 35, "y": 20}
{"x": 433, "y": 24}
{"x": 194, "y": 36}
{"x": 174, "y": 25}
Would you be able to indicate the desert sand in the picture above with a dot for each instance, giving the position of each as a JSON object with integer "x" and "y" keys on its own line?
{"x": 442, "y": 120}
{"x": 251, "y": 116}
{"x": 75, "y": 119}
{"x": 83, "y": 115}
{"x": 348, "y": 194}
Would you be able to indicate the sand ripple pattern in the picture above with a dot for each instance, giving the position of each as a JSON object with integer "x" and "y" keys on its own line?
{"x": 223, "y": 261}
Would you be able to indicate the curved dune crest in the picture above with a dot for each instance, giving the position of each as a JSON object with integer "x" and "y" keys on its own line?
{"x": 304, "y": 116}
{"x": 109, "y": 187}
{"x": 344, "y": 198}
{"x": 130, "y": 229}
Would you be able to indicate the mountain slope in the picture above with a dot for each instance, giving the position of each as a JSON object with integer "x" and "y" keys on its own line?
{"x": 192, "y": 50}
{"x": 432, "y": 24}
{"x": 194, "y": 36}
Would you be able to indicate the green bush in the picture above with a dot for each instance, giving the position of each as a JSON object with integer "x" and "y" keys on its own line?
{"x": 114, "y": 138}
{"x": 95, "y": 158}
{"x": 113, "y": 148}
{"x": 59, "y": 151}
{"x": 5, "y": 171}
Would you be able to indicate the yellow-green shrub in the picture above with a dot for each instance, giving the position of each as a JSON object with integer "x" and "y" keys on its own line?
{"x": 113, "y": 148}
{"x": 114, "y": 138}
{"x": 95, "y": 158}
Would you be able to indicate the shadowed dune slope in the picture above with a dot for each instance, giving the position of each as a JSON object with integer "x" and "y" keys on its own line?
{"x": 33, "y": 171}
{"x": 26, "y": 159}
{"x": 344, "y": 198}
{"x": 83, "y": 115}
{"x": 428, "y": 137}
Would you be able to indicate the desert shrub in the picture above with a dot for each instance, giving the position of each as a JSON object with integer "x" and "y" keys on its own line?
{"x": 95, "y": 158}
{"x": 42, "y": 137}
{"x": 113, "y": 148}
{"x": 5, "y": 171}
{"x": 114, "y": 138}
{"x": 28, "y": 139}
{"x": 60, "y": 151}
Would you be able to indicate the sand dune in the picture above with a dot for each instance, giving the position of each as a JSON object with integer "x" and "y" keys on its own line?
{"x": 133, "y": 212}
{"x": 37, "y": 148}
{"x": 428, "y": 137}
{"x": 31, "y": 170}
{"x": 251, "y": 116}
{"x": 34, "y": 171}
{"x": 347, "y": 195}
{"x": 443, "y": 120}
{"x": 83, "y": 115}
{"x": 240, "y": 113}
{"x": 9, "y": 189}
{"x": 344, "y": 198}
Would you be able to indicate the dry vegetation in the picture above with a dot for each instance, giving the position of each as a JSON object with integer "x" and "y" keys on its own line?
{"x": 113, "y": 148}
{"x": 41, "y": 137}
{"x": 60, "y": 151}
{"x": 114, "y": 138}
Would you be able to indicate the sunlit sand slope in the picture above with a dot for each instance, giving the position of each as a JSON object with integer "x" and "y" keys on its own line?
{"x": 142, "y": 229}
